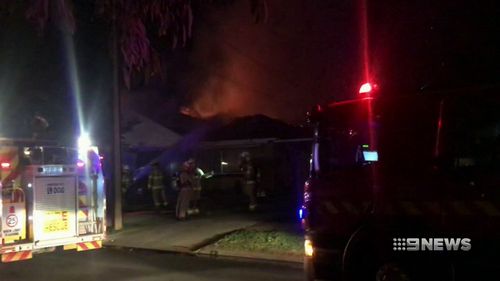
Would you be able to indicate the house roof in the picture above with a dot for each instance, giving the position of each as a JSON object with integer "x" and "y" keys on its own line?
{"x": 140, "y": 131}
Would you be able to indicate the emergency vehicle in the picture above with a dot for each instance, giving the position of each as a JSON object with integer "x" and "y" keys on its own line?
{"x": 404, "y": 187}
{"x": 50, "y": 196}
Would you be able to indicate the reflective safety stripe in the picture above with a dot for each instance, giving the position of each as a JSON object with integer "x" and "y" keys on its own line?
{"x": 69, "y": 247}
{"x": 410, "y": 208}
{"x": 461, "y": 208}
{"x": 82, "y": 201}
{"x": 6, "y": 249}
{"x": 17, "y": 256}
{"x": 350, "y": 208}
{"x": 83, "y": 214}
{"x": 88, "y": 246}
{"x": 432, "y": 207}
{"x": 488, "y": 208}
{"x": 331, "y": 208}
{"x": 413, "y": 208}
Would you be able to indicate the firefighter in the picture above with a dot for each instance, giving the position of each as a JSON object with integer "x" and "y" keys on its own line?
{"x": 261, "y": 192}
{"x": 156, "y": 185}
{"x": 126, "y": 182}
{"x": 196, "y": 174}
{"x": 186, "y": 184}
{"x": 249, "y": 179}
{"x": 174, "y": 177}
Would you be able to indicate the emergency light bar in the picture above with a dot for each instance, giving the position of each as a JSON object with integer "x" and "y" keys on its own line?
{"x": 80, "y": 164}
{"x": 84, "y": 143}
{"x": 367, "y": 88}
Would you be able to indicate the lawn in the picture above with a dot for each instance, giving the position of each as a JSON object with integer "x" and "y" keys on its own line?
{"x": 267, "y": 241}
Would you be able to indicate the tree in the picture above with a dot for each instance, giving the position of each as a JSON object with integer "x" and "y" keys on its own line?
{"x": 139, "y": 22}
{"x": 134, "y": 24}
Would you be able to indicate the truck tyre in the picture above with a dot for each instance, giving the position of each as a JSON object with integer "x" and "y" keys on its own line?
{"x": 309, "y": 274}
{"x": 369, "y": 266}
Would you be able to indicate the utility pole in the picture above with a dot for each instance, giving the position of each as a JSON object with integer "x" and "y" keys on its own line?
{"x": 117, "y": 204}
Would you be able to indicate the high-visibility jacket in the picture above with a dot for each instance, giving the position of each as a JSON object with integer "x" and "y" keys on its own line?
{"x": 155, "y": 180}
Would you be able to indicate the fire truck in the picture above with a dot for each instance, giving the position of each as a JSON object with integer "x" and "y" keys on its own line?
{"x": 51, "y": 197}
{"x": 404, "y": 187}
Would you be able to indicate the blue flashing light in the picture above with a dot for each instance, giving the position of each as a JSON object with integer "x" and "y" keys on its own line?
{"x": 302, "y": 213}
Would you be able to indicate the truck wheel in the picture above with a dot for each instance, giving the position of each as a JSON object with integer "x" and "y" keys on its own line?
{"x": 369, "y": 266}
{"x": 415, "y": 271}
{"x": 391, "y": 272}
{"x": 309, "y": 274}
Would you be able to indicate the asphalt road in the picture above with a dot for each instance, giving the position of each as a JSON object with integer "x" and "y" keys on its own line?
{"x": 123, "y": 265}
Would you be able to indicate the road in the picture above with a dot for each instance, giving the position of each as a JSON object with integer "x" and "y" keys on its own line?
{"x": 123, "y": 265}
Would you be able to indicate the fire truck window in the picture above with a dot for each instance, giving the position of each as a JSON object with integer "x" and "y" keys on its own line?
{"x": 59, "y": 156}
{"x": 342, "y": 136}
{"x": 71, "y": 156}
{"x": 341, "y": 149}
{"x": 472, "y": 134}
{"x": 35, "y": 155}
{"x": 407, "y": 135}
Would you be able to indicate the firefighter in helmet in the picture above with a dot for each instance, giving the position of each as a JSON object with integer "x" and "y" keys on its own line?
{"x": 186, "y": 184}
{"x": 247, "y": 167}
{"x": 156, "y": 182}
{"x": 126, "y": 182}
{"x": 197, "y": 175}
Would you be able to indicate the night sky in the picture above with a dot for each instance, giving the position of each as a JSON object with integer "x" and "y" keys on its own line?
{"x": 311, "y": 52}
{"x": 307, "y": 52}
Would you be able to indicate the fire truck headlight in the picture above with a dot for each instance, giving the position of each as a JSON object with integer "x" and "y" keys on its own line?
{"x": 308, "y": 248}
{"x": 84, "y": 142}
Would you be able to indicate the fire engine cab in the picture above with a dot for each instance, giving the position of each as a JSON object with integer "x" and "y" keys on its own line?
{"x": 50, "y": 196}
{"x": 404, "y": 187}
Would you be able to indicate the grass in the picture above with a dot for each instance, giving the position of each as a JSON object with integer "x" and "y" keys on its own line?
{"x": 269, "y": 241}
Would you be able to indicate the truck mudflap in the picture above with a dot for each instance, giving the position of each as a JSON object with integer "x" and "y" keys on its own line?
{"x": 17, "y": 256}
{"x": 17, "y": 252}
{"x": 85, "y": 246}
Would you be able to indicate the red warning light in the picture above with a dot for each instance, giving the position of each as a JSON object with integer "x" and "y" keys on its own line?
{"x": 5, "y": 165}
{"x": 366, "y": 88}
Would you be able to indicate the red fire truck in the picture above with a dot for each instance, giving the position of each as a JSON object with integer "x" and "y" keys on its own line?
{"x": 50, "y": 196}
{"x": 405, "y": 187}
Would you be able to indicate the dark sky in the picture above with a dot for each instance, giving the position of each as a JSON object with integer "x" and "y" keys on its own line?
{"x": 308, "y": 52}
{"x": 35, "y": 76}
{"x": 311, "y": 52}
{"x": 278, "y": 68}
{"x": 435, "y": 44}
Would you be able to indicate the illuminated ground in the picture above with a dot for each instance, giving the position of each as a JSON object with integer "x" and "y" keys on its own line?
{"x": 121, "y": 265}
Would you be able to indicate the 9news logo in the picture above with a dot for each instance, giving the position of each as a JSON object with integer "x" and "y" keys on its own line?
{"x": 431, "y": 244}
